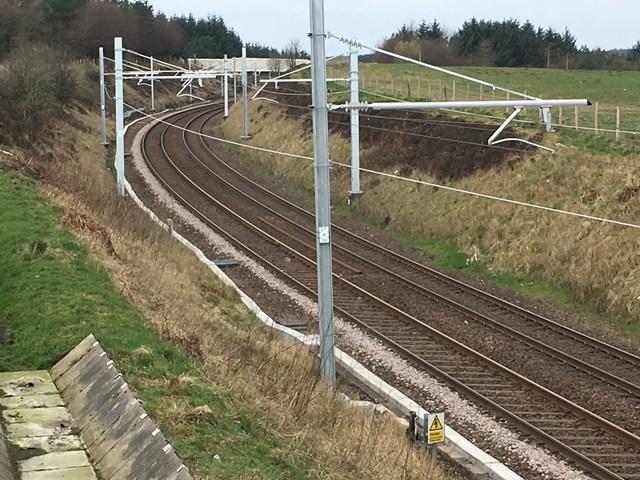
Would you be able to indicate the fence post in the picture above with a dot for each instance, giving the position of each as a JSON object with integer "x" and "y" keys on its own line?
{"x": 617, "y": 123}
{"x": 467, "y": 91}
{"x": 453, "y": 92}
{"x": 560, "y": 115}
{"x": 508, "y": 98}
{"x": 595, "y": 117}
{"x": 429, "y": 88}
{"x": 576, "y": 119}
{"x": 408, "y": 88}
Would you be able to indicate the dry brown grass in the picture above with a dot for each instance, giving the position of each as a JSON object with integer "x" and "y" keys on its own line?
{"x": 265, "y": 373}
{"x": 594, "y": 261}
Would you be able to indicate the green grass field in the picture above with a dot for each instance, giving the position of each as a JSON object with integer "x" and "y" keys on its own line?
{"x": 609, "y": 89}
{"x": 53, "y": 294}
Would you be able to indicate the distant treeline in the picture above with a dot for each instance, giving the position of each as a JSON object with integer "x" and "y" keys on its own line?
{"x": 508, "y": 43}
{"x": 79, "y": 27}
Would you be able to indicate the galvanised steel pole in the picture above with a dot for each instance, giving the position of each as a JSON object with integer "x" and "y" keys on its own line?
{"x": 103, "y": 105}
{"x": 190, "y": 85}
{"x": 255, "y": 72}
{"x": 245, "y": 119}
{"x": 119, "y": 98}
{"x": 323, "y": 213}
{"x": 355, "y": 126}
{"x": 226, "y": 88}
{"x": 153, "y": 91}
{"x": 235, "y": 82}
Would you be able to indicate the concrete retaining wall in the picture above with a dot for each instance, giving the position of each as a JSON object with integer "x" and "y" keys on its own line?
{"x": 6, "y": 469}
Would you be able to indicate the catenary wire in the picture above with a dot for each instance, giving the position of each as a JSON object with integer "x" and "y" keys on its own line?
{"x": 398, "y": 177}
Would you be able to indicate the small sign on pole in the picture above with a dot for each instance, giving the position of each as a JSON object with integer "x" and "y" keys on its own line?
{"x": 435, "y": 428}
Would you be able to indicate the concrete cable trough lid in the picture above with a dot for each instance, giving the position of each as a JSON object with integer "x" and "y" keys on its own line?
{"x": 121, "y": 439}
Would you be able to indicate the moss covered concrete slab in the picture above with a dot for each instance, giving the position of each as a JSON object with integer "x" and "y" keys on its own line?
{"x": 16, "y": 384}
{"x": 78, "y": 473}
{"x": 32, "y": 401}
{"x": 40, "y": 432}
{"x": 60, "y": 443}
{"x": 55, "y": 461}
{"x": 8, "y": 377}
{"x": 20, "y": 430}
{"x": 45, "y": 415}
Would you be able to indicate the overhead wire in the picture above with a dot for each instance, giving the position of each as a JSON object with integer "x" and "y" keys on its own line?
{"x": 493, "y": 197}
{"x": 396, "y": 177}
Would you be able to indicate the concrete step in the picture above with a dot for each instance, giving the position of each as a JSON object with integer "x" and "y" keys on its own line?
{"x": 41, "y": 440}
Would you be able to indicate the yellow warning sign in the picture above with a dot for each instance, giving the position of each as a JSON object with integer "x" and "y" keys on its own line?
{"x": 436, "y": 425}
{"x": 436, "y": 428}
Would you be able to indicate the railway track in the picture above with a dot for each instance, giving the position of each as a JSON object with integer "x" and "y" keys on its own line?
{"x": 281, "y": 236}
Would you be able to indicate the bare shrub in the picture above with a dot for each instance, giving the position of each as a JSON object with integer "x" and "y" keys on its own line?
{"x": 34, "y": 86}
{"x": 275, "y": 65}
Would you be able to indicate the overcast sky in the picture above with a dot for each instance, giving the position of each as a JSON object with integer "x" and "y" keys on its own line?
{"x": 610, "y": 24}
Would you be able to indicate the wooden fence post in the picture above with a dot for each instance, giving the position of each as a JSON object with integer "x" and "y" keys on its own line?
{"x": 453, "y": 92}
{"x": 467, "y": 91}
{"x": 617, "y": 123}
{"x": 480, "y": 92}
{"x": 560, "y": 115}
{"x": 576, "y": 117}
{"x": 595, "y": 117}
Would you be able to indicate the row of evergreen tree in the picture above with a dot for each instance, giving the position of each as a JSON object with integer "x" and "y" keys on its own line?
{"x": 81, "y": 26}
{"x": 506, "y": 43}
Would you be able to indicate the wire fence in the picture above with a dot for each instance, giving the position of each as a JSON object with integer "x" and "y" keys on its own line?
{"x": 617, "y": 121}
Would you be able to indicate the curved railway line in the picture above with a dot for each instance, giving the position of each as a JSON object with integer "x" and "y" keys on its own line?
{"x": 368, "y": 279}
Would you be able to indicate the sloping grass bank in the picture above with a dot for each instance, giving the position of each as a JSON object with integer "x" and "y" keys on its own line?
{"x": 53, "y": 293}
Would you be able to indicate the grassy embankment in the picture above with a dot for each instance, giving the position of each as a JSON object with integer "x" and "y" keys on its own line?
{"x": 588, "y": 266}
{"x": 74, "y": 260}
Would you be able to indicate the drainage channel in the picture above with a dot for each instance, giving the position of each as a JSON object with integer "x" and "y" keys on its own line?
{"x": 82, "y": 422}
{"x": 40, "y": 439}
